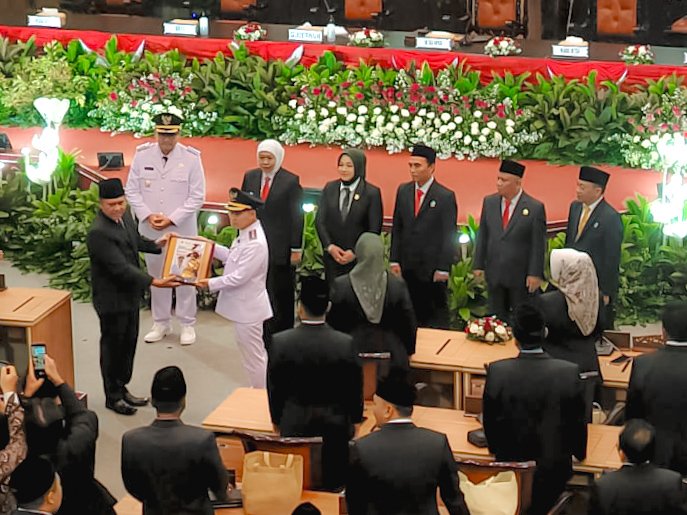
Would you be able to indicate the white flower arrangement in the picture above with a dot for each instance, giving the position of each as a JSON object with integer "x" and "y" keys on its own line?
{"x": 250, "y": 32}
{"x": 637, "y": 54}
{"x": 501, "y": 46}
{"x": 366, "y": 38}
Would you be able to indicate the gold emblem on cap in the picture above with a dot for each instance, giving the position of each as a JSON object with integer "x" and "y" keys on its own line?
{"x": 167, "y": 119}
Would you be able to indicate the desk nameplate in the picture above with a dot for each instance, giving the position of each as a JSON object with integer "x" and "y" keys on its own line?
{"x": 306, "y": 35}
{"x": 434, "y": 43}
{"x": 570, "y": 52}
{"x": 177, "y": 28}
{"x": 49, "y": 21}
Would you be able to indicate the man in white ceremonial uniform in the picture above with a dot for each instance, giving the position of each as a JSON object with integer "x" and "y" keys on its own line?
{"x": 243, "y": 297}
{"x": 166, "y": 189}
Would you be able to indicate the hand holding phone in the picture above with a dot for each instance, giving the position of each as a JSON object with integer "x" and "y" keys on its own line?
{"x": 38, "y": 359}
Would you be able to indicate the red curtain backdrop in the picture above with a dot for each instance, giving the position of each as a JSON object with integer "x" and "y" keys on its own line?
{"x": 387, "y": 57}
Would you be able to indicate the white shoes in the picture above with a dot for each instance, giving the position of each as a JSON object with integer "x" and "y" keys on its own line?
{"x": 188, "y": 335}
{"x": 157, "y": 333}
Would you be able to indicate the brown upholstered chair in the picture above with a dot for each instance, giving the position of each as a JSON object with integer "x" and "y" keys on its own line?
{"x": 235, "y": 6}
{"x": 679, "y": 25}
{"x": 500, "y": 14}
{"x": 616, "y": 16}
{"x": 362, "y": 9}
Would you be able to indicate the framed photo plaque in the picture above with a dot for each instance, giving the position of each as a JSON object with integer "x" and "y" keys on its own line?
{"x": 188, "y": 258}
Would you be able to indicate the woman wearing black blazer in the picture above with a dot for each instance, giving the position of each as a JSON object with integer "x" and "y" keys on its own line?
{"x": 348, "y": 207}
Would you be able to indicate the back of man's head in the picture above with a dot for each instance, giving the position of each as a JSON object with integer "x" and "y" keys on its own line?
{"x": 637, "y": 441}
{"x": 314, "y": 296}
{"x": 36, "y": 486}
{"x": 675, "y": 321}
{"x": 529, "y": 328}
{"x": 306, "y": 508}
{"x": 169, "y": 390}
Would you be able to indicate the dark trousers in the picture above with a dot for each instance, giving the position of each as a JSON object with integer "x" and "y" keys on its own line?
{"x": 118, "y": 337}
{"x": 332, "y": 269}
{"x": 281, "y": 284}
{"x": 549, "y": 483}
{"x": 504, "y": 299}
{"x": 429, "y": 300}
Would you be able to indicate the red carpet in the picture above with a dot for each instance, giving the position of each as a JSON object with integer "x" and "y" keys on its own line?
{"x": 225, "y": 160}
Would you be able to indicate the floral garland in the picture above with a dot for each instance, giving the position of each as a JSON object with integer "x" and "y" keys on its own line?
{"x": 356, "y": 114}
{"x": 501, "y": 46}
{"x": 250, "y": 32}
{"x": 637, "y": 54}
{"x": 489, "y": 329}
{"x": 367, "y": 38}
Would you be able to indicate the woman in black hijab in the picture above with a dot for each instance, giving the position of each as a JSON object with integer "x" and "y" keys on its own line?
{"x": 348, "y": 207}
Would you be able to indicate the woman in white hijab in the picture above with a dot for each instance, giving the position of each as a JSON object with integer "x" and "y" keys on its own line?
{"x": 572, "y": 312}
{"x": 373, "y": 305}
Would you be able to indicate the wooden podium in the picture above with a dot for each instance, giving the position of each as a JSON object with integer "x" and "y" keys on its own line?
{"x": 29, "y": 315}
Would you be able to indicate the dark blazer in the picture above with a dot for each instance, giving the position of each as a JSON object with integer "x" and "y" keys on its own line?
{"x": 396, "y": 471}
{"x": 170, "y": 466}
{"x": 425, "y": 243}
{"x": 282, "y": 214}
{"x": 116, "y": 276}
{"x": 509, "y": 256}
{"x": 564, "y": 339}
{"x": 365, "y": 215}
{"x": 657, "y": 394}
{"x": 601, "y": 238}
{"x": 638, "y": 490}
{"x": 395, "y": 332}
{"x": 314, "y": 381}
{"x": 534, "y": 409}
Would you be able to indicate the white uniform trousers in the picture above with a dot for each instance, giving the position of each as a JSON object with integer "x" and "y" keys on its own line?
{"x": 161, "y": 298}
{"x": 253, "y": 353}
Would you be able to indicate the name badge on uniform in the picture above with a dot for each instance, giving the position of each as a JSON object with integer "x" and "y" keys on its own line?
{"x": 253, "y": 235}
{"x": 147, "y": 183}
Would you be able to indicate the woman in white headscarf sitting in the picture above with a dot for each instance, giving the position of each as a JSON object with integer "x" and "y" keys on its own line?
{"x": 573, "y": 311}
{"x": 374, "y": 306}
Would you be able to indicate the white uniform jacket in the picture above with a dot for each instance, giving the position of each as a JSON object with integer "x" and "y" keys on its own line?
{"x": 242, "y": 289}
{"x": 175, "y": 189}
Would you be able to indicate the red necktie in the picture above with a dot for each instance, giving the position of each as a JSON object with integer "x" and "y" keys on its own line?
{"x": 418, "y": 200}
{"x": 265, "y": 189}
{"x": 506, "y": 213}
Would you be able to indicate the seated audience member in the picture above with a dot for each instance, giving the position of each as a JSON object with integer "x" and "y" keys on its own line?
{"x": 36, "y": 486}
{"x": 60, "y": 429}
{"x": 306, "y": 508}
{"x": 398, "y": 469}
{"x": 373, "y": 305}
{"x": 170, "y": 466}
{"x": 534, "y": 409}
{"x": 657, "y": 391}
{"x": 639, "y": 487}
{"x": 12, "y": 436}
{"x": 314, "y": 381}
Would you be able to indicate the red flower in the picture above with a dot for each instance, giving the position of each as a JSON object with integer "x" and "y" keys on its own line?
{"x": 664, "y": 126}
{"x": 399, "y": 95}
{"x": 360, "y": 84}
{"x": 444, "y": 97}
{"x": 501, "y": 114}
{"x": 414, "y": 87}
{"x": 345, "y": 84}
{"x": 316, "y": 91}
{"x": 172, "y": 87}
{"x": 412, "y": 109}
{"x": 676, "y": 127}
{"x": 134, "y": 103}
{"x": 677, "y": 111}
{"x": 640, "y": 128}
{"x": 329, "y": 94}
{"x": 456, "y": 110}
{"x": 113, "y": 96}
{"x": 359, "y": 96}
{"x": 441, "y": 109}
{"x": 518, "y": 112}
{"x": 349, "y": 103}
{"x": 187, "y": 90}
{"x": 435, "y": 100}
{"x": 162, "y": 94}
{"x": 431, "y": 89}
{"x": 485, "y": 118}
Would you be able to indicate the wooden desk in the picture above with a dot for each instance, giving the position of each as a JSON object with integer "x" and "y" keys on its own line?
{"x": 37, "y": 315}
{"x": 248, "y": 409}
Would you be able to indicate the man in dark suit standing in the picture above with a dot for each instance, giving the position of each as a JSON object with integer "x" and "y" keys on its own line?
{"x": 596, "y": 228}
{"x": 399, "y": 468}
{"x": 314, "y": 381}
{"x": 118, "y": 284}
{"x": 656, "y": 392}
{"x": 281, "y": 217}
{"x": 423, "y": 238}
{"x": 534, "y": 409}
{"x": 511, "y": 242}
{"x": 170, "y": 466}
{"x": 639, "y": 487}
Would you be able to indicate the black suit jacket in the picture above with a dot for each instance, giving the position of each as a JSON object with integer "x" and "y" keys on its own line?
{"x": 658, "y": 394}
{"x": 534, "y": 409}
{"x": 397, "y": 330}
{"x": 638, "y": 490}
{"x": 397, "y": 470}
{"x": 365, "y": 215}
{"x": 314, "y": 381}
{"x": 425, "y": 243}
{"x": 170, "y": 466}
{"x": 116, "y": 276}
{"x": 282, "y": 214}
{"x": 601, "y": 238}
{"x": 509, "y": 255}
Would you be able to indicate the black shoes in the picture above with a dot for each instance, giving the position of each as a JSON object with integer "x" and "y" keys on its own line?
{"x": 135, "y": 401}
{"x": 121, "y": 407}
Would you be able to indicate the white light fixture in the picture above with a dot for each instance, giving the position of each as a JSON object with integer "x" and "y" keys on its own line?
{"x": 464, "y": 239}
{"x": 213, "y": 219}
{"x": 53, "y": 111}
{"x": 308, "y": 207}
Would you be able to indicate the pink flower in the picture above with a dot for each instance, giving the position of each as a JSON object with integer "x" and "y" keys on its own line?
{"x": 640, "y": 128}
{"x": 485, "y": 118}
{"x": 676, "y": 127}
{"x": 134, "y": 103}
{"x": 113, "y": 96}
{"x": 349, "y": 103}
{"x": 187, "y": 90}
{"x": 677, "y": 111}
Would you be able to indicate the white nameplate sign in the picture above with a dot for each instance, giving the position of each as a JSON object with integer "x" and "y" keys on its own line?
{"x": 306, "y": 35}
{"x": 685, "y": 58}
{"x": 179, "y": 28}
{"x": 434, "y": 43}
{"x": 52, "y": 21}
{"x": 574, "y": 52}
